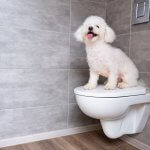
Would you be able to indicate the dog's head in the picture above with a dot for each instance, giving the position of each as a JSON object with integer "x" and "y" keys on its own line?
{"x": 93, "y": 29}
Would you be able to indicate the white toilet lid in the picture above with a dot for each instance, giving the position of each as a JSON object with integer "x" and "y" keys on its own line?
{"x": 100, "y": 92}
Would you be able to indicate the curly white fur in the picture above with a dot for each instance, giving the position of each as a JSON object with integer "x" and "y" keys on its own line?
{"x": 103, "y": 59}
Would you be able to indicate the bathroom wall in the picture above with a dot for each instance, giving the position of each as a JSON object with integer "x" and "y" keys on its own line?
{"x": 135, "y": 41}
{"x": 41, "y": 64}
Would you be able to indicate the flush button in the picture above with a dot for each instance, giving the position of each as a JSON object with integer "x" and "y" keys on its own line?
{"x": 140, "y": 11}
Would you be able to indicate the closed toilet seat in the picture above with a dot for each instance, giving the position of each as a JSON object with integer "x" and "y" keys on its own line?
{"x": 100, "y": 92}
{"x": 110, "y": 103}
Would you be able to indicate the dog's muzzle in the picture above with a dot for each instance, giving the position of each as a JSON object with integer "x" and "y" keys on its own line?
{"x": 91, "y": 35}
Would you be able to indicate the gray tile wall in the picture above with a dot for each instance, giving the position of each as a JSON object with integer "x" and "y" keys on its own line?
{"x": 134, "y": 40}
{"x": 41, "y": 64}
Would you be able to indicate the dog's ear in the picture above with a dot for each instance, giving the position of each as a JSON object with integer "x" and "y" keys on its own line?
{"x": 110, "y": 35}
{"x": 78, "y": 34}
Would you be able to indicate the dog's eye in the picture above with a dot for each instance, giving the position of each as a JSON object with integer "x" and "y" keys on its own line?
{"x": 97, "y": 26}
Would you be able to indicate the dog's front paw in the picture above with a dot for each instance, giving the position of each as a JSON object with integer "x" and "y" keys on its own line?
{"x": 89, "y": 86}
{"x": 122, "y": 85}
{"x": 109, "y": 86}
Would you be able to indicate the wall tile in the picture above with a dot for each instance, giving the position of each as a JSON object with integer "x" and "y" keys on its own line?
{"x": 76, "y": 78}
{"x": 118, "y": 15}
{"x": 80, "y": 11}
{"x": 32, "y": 87}
{"x": 35, "y": 14}
{"x": 140, "y": 27}
{"x": 109, "y": 1}
{"x": 77, "y": 118}
{"x": 122, "y": 42}
{"x": 140, "y": 52}
{"x": 146, "y": 78}
{"x": 77, "y": 49}
{"x": 33, "y": 49}
{"x": 77, "y": 55}
{"x": 78, "y": 63}
{"x": 95, "y": 1}
{"x": 21, "y": 122}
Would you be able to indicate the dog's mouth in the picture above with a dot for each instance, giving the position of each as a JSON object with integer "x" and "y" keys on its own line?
{"x": 91, "y": 35}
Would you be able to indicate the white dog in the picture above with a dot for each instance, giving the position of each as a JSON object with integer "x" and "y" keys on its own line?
{"x": 103, "y": 59}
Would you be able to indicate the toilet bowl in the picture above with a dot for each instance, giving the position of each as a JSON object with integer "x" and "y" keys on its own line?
{"x": 120, "y": 111}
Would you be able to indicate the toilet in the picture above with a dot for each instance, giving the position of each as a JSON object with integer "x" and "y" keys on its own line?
{"x": 120, "y": 111}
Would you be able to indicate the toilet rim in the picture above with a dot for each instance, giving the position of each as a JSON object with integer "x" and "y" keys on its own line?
{"x": 119, "y": 102}
{"x": 112, "y": 96}
{"x": 99, "y": 92}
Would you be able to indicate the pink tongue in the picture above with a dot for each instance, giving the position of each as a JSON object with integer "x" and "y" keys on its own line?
{"x": 90, "y": 36}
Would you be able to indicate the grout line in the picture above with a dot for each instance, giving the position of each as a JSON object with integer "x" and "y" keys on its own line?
{"x": 135, "y": 32}
{"x": 65, "y": 69}
{"x": 32, "y": 29}
{"x": 122, "y": 34}
{"x": 73, "y": 103}
{"x": 130, "y": 29}
{"x": 145, "y": 72}
{"x": 69, "y": 66}
{"x": 111, "y": 1}
{"x": 106, "y": 2}
{"x": 80, "y": 69}
{"x": 33, "y": 68}
{"x": 31, "y": 107}
{"x": 69, "y": 69}
{"x": 92, "y": 2}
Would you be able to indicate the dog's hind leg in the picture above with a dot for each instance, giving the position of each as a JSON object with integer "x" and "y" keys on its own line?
{"x": 128, "y": 81}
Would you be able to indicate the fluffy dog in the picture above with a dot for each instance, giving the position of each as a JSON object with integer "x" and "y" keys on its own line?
{"x": 103, "y": 59}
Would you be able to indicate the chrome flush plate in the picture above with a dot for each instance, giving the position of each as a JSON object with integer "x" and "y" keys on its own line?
{"x": 140, "y": 11}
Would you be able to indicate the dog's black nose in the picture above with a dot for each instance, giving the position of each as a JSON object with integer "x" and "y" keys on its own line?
{"x": 90, "y": 28}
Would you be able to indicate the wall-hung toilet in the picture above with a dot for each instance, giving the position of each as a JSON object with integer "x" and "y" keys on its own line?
{"x": 120, "y": 111}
